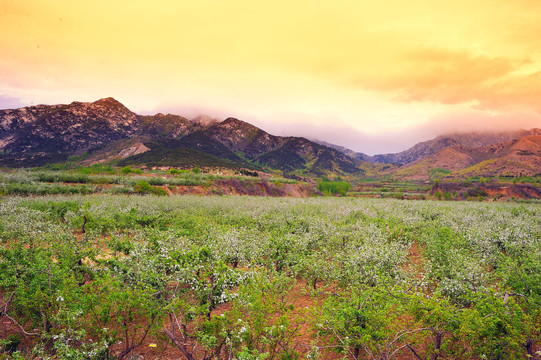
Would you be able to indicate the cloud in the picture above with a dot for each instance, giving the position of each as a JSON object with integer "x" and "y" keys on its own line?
{"x": 188, "y": 111}
{"x": 476, "y": 121}
{"x": 394, "y": 140}
{"x": 251, "y": 59}
{"x": 460, "y": 77}
{"x": 348, "y": 136}
{"x": 8, "y": 102}
{"x": 448, "y": 68}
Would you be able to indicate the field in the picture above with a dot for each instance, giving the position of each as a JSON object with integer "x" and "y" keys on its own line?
{"x": 105, "y": 179}
{"x": 106, "y": 276}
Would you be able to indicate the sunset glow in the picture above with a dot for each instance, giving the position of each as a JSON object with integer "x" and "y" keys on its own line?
{"x": 372, "y": 76}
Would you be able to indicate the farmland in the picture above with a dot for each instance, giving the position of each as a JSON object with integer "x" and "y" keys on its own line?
{"x": 115, "y": 276}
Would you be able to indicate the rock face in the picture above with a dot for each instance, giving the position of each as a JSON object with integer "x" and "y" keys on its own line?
{"x": 133, "y": 150}
{"x": 29, "y": 135}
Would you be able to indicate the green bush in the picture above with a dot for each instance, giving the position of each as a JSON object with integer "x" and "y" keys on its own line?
{"x": 158, "y": 191}
{"x": 156, "y": 181}
{"x": 128, "y": 170}
{"x": 334, "y": 187}
{"x": 12, "y": 343}
{"x": 176, "y": 171}
{"x": 142, "y": 187}
{"x": 249, "y": 173}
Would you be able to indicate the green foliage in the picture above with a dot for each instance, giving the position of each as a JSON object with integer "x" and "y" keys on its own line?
{"x": 366, "y": 322}
{"x": 96, "y": 169}
{"x": 159, "y": 191}
{"x": 447, "y": 195}
{"x": 143, "y": 187}
{"x": 249, "y": 173}
{"x": 493, "y": 328}
{"x": 334, "y": 187}
{"x": 128, "y": 170}
{"x": 45, "y": 189}
{"x": 176, "y": 171}
{"x": 94, "y": 277}
{"x": 11, "y": 343}
{"x": 264, "y": 312}
{"x": 438, "y": 173}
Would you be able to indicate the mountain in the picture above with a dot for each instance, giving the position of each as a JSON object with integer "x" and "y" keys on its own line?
{"x": 418, "y": 151}
{"x": 107, "y": 130}
{"x": 518, "y": 157}
{"x": 480, "y": 139}
{"x": 503, "y": 153}
{"x": 50, "y": 133}
{"x": 427, "y": 148}
{"x": 243, "y": 144}
{"x": 164, "y": 126}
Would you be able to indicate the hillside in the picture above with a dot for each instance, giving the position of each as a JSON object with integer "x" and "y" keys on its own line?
{"x": 38, "y": 134}
{"x": 418, "y": 151}
{"x": 518, "y": 157}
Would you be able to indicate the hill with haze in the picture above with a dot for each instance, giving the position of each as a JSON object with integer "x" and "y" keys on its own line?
{"x": 458, "y": 156}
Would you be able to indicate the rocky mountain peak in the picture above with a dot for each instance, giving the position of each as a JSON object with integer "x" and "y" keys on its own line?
{"x": 58, "y": 130}
{"x": 236, "y": 128}
{"x": 110, "y": 102}
{"x": 234, "y": 122}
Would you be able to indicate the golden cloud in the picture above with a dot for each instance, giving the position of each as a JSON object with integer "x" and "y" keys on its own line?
{"x": 455, "y": 77}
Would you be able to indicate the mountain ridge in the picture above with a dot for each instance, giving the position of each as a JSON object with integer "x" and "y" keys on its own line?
{"x": 46, "y": 133}
{"x": 108, "y": 131}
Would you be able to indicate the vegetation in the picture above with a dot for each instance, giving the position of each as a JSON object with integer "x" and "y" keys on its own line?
{"x": 104, "y": 277}
{"x": 334, "y": 187}
{"x": 249, "y": 173}
{"x": 101, "y": 178}
{"x": 129, "y": 170}
{"x": 144, "y": 188}
{"x": 176, "y": 153}
{"x": 438, "y": 173}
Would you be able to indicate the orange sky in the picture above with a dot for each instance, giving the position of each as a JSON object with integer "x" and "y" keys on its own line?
{"x": 342, "y": 71}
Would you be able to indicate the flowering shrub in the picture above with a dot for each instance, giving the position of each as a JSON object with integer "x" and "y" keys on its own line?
{"x": 97, "y": 277}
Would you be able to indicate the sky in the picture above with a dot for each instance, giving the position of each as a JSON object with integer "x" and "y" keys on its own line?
{"x": 374, "y": 76}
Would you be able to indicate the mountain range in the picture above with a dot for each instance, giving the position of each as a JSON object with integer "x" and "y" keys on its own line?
{"x": 105, "y": 131}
